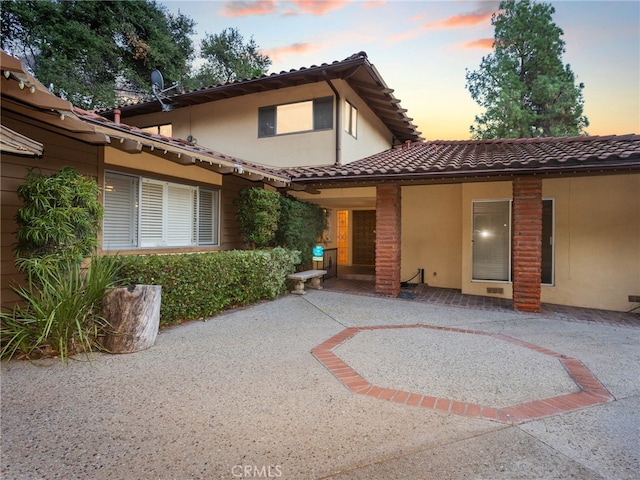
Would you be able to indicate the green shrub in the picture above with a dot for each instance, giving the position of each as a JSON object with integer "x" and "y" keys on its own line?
{"x": 301, "y": 225}
{"x": 61, "y": 312}
{"x": 58, "y": 226}
{"x": 59, "y": 220}
{"x": 200, "y": 285}
{"x": 258, "y": 211}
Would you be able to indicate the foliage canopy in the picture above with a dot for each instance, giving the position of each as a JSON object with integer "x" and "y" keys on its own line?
{"x": 97, "y": 53}
{"x": 228, "y": 57}
{"x": 523, "y": 85}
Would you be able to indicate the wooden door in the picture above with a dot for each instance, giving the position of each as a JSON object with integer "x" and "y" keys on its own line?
{"x": 364, "y": 237}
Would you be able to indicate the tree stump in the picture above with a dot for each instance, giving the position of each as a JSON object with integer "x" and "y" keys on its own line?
{"x": 133, "y": 317}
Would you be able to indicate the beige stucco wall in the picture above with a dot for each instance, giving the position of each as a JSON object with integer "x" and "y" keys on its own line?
{"x": 231, "y": 127}
{"x": 432, "y": 234}
{"x": 596, "y": 237}
{"x": 597, "y": 241}
{"x": 155, "y": 165}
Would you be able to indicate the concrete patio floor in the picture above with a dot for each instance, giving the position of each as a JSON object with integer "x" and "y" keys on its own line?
{"x": 246, "y": 395}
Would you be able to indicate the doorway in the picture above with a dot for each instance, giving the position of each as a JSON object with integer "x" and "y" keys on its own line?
{"x": 364, "y": 237}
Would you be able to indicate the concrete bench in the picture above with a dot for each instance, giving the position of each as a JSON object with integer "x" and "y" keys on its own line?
{"x": 301, "y": 277}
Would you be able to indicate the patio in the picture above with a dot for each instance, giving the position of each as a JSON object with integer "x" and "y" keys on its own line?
{"x": 242, "y": 396}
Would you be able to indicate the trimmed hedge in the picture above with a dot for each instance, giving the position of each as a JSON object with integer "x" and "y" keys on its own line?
{"x": 199, "y": 285}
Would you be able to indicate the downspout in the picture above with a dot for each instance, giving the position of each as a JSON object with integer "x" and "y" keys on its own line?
{"x": 326, "y": 79}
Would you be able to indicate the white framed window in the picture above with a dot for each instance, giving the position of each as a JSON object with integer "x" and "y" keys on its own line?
{"x": 145, "y": 213}
{"x": 297, "y": 117}
{"x": 491, "y": 255}
{"x": 350, "y": 119}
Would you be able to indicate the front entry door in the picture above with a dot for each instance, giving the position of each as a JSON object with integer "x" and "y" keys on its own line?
{"x": 364, "y": 237}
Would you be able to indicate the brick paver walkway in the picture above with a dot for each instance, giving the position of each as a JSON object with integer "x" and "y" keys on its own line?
{"x": 453, "y": 297}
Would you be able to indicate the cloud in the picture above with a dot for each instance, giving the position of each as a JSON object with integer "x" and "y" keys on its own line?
{"x": 401, "y": 37}
{"x": 469, "y": 19}
{"x": 279, "y": 53}
{"x": 373, "y": 3}
{"x": 485, "y": 43}
{"x": 243, "y": 8}
{"x": 318, "y": 7}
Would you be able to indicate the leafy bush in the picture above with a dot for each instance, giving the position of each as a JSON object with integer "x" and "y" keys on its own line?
{"x": 301, "y": 225}
{"x": 59, "y": 220}
{"x": 200, "y": 285}
{"x": 258, "y": 213}
{"x": 62, "y": 312}
{"x": 58, "y": 226}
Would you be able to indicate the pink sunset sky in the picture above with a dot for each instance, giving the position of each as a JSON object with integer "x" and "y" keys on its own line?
{"x": 423, "y": 48}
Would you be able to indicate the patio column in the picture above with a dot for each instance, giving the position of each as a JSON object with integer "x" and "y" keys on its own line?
{"x": 388, "y": 228}
{"x": 527, "y": 243}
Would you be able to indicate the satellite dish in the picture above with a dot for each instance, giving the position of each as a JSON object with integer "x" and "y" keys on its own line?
{"x": 156, "y": 80}
{"x": 157, "y": 84}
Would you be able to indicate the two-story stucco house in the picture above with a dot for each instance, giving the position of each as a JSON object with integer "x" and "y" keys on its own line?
{"x": 534, "y": 220}
{"x": 540, "y": 220}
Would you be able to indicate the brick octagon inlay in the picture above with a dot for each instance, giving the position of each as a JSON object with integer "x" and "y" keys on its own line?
{"x": 592, "y": 392}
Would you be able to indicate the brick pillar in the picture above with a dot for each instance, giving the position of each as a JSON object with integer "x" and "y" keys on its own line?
{"x": 527, "y": 243}
{"x": 388, "y": 213}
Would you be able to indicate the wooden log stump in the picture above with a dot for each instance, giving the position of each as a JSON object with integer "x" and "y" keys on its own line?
{"x": 133, "y": 317}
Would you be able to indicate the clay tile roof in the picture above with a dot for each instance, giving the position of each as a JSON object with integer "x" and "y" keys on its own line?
{"x": 449, "y": 160}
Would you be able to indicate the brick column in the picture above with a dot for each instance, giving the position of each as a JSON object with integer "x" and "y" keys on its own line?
{"x": 388, "y": 228}
{"x": 527, "y": 243}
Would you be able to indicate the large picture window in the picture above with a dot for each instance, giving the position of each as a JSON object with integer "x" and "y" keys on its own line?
{"x": 492, "y": 241}
{"x": 144, "y": 212}
{"x": 296, "y": 117}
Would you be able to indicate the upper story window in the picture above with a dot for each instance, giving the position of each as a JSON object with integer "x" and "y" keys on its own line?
{"x": 350, "y": 119}
{"x": 164, "y": 130}
{"x": 296, "y": 117}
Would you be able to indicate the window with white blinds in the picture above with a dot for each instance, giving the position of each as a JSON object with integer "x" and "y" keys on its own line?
{"x": 166, "y": 215}
{"x": 492, "y": 240}
{"x": 120, "y": 228}
{"x": 208, "y": 208}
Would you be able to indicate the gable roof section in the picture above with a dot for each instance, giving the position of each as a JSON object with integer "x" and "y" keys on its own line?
{"x": 356, "y": 70}
{"x": 452, "y": 161}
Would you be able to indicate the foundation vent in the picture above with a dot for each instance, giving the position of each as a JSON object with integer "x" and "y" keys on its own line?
{"x": 634, "y": 298}
{"x": 495, "y": 290}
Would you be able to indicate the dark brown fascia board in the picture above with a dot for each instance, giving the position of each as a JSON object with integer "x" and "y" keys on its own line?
{"x": 135, "y": 143}
{"x": 282, "y": 80}
{"x": 52, "y": 121}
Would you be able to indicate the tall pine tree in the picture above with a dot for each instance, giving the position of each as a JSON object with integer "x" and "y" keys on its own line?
{"x": 524, "y": 86}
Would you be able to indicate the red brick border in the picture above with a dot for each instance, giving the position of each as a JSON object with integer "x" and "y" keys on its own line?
{"x": 592, "y": 391}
